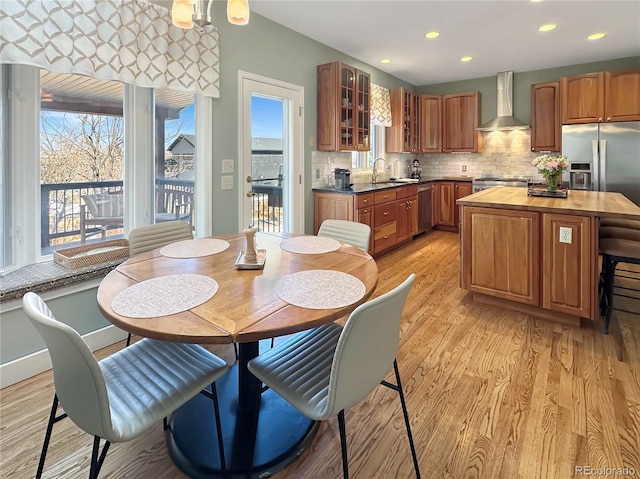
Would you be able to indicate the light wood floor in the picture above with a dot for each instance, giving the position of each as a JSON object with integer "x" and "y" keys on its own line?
{"x": 491, "y": 394}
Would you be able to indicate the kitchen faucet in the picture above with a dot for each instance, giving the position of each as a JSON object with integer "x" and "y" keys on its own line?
{"x": 375, "y": 170}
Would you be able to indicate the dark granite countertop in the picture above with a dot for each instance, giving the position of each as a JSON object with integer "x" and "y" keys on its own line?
{"x": 383, "y": 185}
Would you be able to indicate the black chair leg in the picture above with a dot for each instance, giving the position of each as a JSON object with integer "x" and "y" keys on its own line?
{"x": 343, "y": 444}
{"x": 47, "y": 436}
{"x": 608, "y": 292}
{"x": 406, "y": 420}
{"x": 97, "y": 457}
{"x": 216, "y": 407}
{"x": 235, "y": 348}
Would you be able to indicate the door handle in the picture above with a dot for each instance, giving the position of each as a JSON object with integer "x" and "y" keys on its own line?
{"x": 249, "y": 179}
{"x": 249, "y": 194}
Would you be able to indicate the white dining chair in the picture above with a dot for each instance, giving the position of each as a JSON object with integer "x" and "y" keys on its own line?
{"x": 150, "y": 237}
{"x": 146, "y": 238}
{"x": 323, "y": 371}
{"x": 124, "y": 395}
{"x": 350, "y": 232}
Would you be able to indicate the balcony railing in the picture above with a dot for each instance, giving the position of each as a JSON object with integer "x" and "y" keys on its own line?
{"x": 267, "y": 204}
{"x": 60, "y": 207}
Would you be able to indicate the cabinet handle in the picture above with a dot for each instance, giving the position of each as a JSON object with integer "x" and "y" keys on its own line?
{"x": 386, "y": 196}
{"x": 599, "y": 119}
{"x": 366, "y": 211}
{"x": 608, "y": 118}
{"x": 386, "y": 213}
{"x": 385, "y": 237}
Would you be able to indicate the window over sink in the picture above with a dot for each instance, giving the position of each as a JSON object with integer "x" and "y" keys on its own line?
{"x": 364, "y": 159}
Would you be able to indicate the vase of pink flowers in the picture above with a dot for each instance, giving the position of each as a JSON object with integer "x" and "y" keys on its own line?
{"x": 551, "y": 168}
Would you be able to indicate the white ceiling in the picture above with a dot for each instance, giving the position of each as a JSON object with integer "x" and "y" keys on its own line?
{"x": 499, "y": 35}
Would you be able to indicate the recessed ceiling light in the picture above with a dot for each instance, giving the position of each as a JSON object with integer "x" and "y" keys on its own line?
{"x": 536, "y": 1}
{"x": 466, "y": 59}
{"x": 548, "y": 27}
{"x": 596, "y": 36}
{"x": 432, "y": 34}
{"x": 385, "y": 60}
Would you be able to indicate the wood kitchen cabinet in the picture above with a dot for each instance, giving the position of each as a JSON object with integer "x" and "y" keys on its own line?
{"x": 546, "y": 128}
{"x": 343, "y": 108}
{"x": 566, "y": 266}
{"x": 404, "y": 134}
{"x": 338, "y": 206}
{"x": 461, "y": 189}
{"x": 384, "y": 220}
{"x": 460, "y": 118}
{"x": 446, "y": 214}
{"x": 622, "y": 95}
{"x": 501, "y": 253}
{"x": 547, "y": 261}
{"x": 407, "y": 213}
{"x": 601, "y": 97}
{"x": 392, "y": 214}
{"x": 431, "y": 124}
{"x": 444, "y": 206}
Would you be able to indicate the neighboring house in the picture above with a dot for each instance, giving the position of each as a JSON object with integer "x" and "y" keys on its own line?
{"x": 179, "y": 160}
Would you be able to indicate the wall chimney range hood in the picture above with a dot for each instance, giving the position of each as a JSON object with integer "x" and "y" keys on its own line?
{"x": 505, "y": 119}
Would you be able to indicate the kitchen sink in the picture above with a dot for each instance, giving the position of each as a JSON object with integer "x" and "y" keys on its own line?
{"x": 406, "y": 180}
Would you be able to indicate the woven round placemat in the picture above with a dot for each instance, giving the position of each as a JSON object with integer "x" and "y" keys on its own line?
{"x": 194, "y": 248}
{"x": 320, "y": 289}
{"x": 310, "y": 244}
{"x": 164, "y": 295}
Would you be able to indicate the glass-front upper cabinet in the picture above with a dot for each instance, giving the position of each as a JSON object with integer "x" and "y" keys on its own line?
{"x": 343, "y": 108}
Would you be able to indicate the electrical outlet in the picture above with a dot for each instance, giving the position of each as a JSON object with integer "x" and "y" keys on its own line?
{"x": 317, "y": 173}
{"x": 565, "y": 235}
{"x": 464, "y": 168}
{"x": 227, "y": 166}
{"x": 227, "y": 182}
{"x": 312, "y": 141}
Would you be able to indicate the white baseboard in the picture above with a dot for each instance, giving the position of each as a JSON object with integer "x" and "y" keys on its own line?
{"x": 38, "y": 362}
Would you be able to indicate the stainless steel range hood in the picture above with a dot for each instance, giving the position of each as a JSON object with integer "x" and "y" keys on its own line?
{"x": 505, "y": 119}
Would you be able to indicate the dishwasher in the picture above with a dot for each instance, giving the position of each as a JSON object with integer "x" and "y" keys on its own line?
{"x": 424, "y": 208}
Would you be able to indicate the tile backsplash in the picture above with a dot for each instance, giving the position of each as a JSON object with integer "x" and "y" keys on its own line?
{"x": 503, "y": 153}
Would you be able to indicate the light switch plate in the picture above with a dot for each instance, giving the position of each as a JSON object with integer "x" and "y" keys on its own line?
{"x": 227, "y": 182}
{"x": 565, "y": 235}
{"x": 227, "y": 166}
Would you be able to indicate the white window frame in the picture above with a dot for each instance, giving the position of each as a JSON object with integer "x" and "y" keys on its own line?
{"x": 364, "y": 159}
{"x": 23, "y": 153}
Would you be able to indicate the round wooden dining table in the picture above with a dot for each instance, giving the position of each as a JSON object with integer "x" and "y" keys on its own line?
{"x": 262, "y": 433}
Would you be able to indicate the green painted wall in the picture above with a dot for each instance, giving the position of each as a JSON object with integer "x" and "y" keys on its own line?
{"x": 19, "y": 338}
{"x": 266, "y": 48}
{"x": 522, "y": 85}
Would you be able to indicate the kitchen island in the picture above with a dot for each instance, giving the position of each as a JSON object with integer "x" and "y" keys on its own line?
{"x": 537, "y": 255}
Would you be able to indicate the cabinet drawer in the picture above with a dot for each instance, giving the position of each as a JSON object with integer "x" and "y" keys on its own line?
{"x": 364, "y": 200}
{"x": 384, "y": 196}
{"x": 384, "y": 213}
{"x": 407, "y": 191}
{"x": 384, "y": 237}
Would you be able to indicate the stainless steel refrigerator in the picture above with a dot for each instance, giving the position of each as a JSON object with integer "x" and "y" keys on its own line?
{"x": 612, "y": 150}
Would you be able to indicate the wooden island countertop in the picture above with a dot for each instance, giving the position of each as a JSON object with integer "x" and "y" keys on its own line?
{"x": 578, "y": 202}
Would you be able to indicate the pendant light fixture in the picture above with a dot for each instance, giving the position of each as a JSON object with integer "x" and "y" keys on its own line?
{"x": 238, "y": 12}
{"x": 181, "y": 14}
{"x": 187, "y": 13}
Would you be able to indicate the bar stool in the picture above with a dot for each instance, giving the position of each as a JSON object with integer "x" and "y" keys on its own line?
{"x": 619, "y": 243}
{"x": 619, "y": 223}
